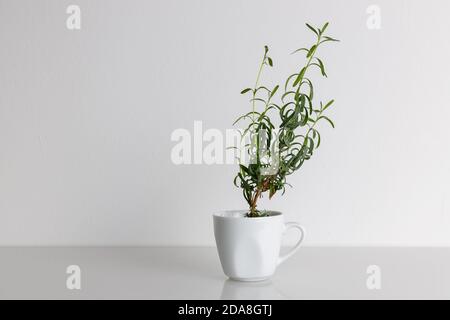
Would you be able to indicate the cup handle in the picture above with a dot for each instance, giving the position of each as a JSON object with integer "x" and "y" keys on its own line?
{"x": 290, "y": 225}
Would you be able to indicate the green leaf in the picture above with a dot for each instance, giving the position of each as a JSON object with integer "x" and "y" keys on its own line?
{"x": 245, "y": 90}
{"x": 312, "y": 29}
{"x": 301, "y": 49}
{"x": 322, "y": 67}
{"x": 327, "y": 105}
{"x": 261, "y": 87}
{"x": 271, "y": 191}
{"x": 324, "y": 28}
{"x": 258, "y": 99}
{"x": 288, "y": 79}
{"x": 311, "y": 51}
{"x": 311, "y": 89}
{"x": 286, "y": 94}
{"x": 274, "y": 91}
{"x": 244, "y": 169}
{"x": 310, "y": 104}
{"x": 304, "y": 119}
{"x": 311, "y": 145}
{"x": 235, "y": 181}
{"x": 328, "y": 119}
{"x": 318, "y": 138}
{"x": 269, "y": 59}
{"x": 274, "y": 106}
{"x": 330, "y": 39}
{"x": 266, "y": 49}
{"x": 245, "y": 116}
{"x": 299, "y": 77}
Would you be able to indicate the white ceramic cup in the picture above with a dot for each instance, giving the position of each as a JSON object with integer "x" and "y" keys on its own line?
{"x": 249, "y": 248}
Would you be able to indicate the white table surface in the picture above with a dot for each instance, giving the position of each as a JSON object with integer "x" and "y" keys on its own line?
{"x": 195, "y": 273}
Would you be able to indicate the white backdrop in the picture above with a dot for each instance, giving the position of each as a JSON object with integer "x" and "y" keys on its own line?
{"x": 86, "y": 117}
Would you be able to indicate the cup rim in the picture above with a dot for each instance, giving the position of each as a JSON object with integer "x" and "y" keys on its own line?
{"x": 223, "y": 214}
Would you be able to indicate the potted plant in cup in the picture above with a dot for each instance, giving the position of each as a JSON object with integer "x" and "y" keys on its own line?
{"x": 277, "y": 139}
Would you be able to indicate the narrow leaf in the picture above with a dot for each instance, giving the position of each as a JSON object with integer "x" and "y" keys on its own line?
{"x": 328, "y": 119}
{"x": 330, "y": 39}
{"x": 244, "y": 169}
{"x": 245, "y": 90}
{"x": 324, "y": 28}
{"x": 299, "y": 77}
{"x": 311, "y": 145}
{"x": 327, "y": 105}
{"x": 271, "y": 192}
{"x": 311, "y": 89}
{"x": 322, "y": 67}
{"x": 274, "y": 91}
{"x": 318, "y": 139}
{"x": 312, "y": 29}
{"x": 311, "y": 51}
{"x": 301, "y": 49}
{"x": 258, "y": 99}
{"x": 261, "y": 88}
{"x": 288, "y": 79}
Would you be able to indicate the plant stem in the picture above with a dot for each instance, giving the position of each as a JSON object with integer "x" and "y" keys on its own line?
{"x": 258, "y": 76}
{"x": 309, "y": 62}
{"x": 257, "y": 195}
{"x": 253, "y": 203}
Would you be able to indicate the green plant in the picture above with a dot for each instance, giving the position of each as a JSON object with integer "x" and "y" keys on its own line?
{"x": 268, "y": 166}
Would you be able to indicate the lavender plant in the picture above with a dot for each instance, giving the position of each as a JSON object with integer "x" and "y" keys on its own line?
{"x": 294, "y": 119}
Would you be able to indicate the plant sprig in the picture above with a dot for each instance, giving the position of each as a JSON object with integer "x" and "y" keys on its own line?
{"x": 296, "y": 111}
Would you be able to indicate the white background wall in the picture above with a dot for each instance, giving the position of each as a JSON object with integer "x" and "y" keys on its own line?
{"x": 86, "y": 118}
